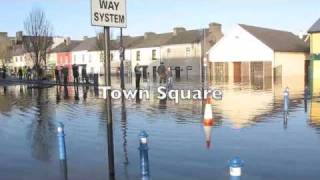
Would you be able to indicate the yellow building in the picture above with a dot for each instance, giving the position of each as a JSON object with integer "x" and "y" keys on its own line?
{"x": 314, "y": 32}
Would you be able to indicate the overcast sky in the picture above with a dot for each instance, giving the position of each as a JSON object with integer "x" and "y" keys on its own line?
{"x": 72, "y": 17}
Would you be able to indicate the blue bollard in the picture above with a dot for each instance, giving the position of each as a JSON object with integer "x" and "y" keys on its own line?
{"x": 144, "y": 159}
{"x": 61, "y": 142}
{"x": 235, "y": 166}
{"x": 286, "y": 100}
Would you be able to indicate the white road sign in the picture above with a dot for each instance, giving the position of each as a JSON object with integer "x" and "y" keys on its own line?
{"x": 111, "y": 13}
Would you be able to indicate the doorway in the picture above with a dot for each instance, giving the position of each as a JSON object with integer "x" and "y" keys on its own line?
{"x": 237, "y": 72}
{"x": 178, "y": 69}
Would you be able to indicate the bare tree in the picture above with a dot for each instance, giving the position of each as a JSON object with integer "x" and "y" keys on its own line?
{"x": 38, "y": 39}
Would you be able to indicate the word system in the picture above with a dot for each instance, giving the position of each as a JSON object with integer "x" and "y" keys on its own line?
{"x": 109, "y": 13}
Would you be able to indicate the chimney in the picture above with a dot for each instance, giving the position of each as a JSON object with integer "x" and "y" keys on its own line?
{"x": 19, "y": 37}
{"x": 215, "y": 31}
{"x": 67, "y": 41}
{"x": 178, "y": 30}
{"x": 148, "y": 34}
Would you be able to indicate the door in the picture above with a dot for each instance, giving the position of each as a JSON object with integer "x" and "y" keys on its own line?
{"x": 237, "y": 72}
{"x": 177, "y": 72}
{"x": 145, "y": 72}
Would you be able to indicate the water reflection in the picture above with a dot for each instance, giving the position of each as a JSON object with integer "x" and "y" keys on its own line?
{"x": 41, "y": 131}
{"x": 64, "y": 170}
{"x": 315, "y": 112}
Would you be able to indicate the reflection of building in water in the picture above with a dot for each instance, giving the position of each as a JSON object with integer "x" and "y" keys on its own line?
{"x": 314, "y": 68}
{"x": 315, "y": 113}
{"x": 254, "y": 54}
{"x": 242, "y": 107}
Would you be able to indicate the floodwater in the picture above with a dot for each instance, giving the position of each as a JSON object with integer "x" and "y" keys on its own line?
{"x": 249, "y": 123}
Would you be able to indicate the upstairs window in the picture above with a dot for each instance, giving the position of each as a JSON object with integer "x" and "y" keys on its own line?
{"x": 154, "y": 54}
{"x": 188, "y": 51}
{"x": 138, "y": 56}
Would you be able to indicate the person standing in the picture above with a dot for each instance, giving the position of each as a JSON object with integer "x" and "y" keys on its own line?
{"x": 20, "y": 73}
{"x": 29, "y": 72}
{"x": 162, "y": 73}
{"x": 75, "y": 72}
{"x": 169, "y": 79}
{"x": 84, "y": 74}
{"x": 4, "y": 69}
{"x": 138, "y": 72}
{"x": 65, "y": 75}
{"x": 57, "y": 74}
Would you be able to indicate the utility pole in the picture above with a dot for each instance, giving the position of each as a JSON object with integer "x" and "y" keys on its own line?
{"x": 108, "y": 101}
{"x": 122, "y": 58}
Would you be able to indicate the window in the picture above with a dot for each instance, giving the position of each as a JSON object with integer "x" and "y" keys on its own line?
{"x": 75, "y": 59}
{"x": 138, "y": 55}
{"x": 188, "y": 51}
{"x": 21, "y": 59}
{"x": 111, "y": 56}
{"x": 154, "y": 54}
{"x": 16, "y": 59}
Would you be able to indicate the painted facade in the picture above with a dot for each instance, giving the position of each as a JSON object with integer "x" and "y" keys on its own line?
{"x": 314, "y": 76}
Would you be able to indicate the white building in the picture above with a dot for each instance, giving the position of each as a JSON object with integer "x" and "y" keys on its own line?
{"x": 249, "y": 53}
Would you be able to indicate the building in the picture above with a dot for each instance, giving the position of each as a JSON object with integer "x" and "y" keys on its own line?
{"x": 180, "y": 49}
{"x": 88, "y": 55}
{"x": 249, "y": 53}
{"x": 63, "y": 55}
{"x": 314, "y": 76}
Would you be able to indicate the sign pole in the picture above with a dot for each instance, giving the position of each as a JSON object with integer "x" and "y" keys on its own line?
{"x": 122, "y": 54}
{"x": 109, "y": 103}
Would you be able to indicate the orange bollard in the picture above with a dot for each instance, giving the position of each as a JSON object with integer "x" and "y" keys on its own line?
{"x": 208, "y": 122}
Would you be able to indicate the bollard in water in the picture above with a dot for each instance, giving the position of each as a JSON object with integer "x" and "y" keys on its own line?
{"x": 144, "y": 159}
{"x": 235, "y": 167}
{"x": 286, "y": 100}
{"x": 61, "y": 142}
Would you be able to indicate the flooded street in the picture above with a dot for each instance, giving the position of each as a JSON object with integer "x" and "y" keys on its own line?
{"x": 248, "y": 122}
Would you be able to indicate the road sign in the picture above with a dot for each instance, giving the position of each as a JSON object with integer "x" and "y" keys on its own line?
{"x": 109, "y": 13}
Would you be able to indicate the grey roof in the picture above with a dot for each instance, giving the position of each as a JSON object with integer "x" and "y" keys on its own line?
{"x": 63, "y": 47}
{"x": 315, "y": 27}
{"x": 282, "y": 41}
{"x": 91, "y": 44}
{"x": 191, "y": 36}
{"x": 153, "y": 40}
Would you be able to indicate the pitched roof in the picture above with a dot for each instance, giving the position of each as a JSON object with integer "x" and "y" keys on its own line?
{"x": 315, "y": 27}
{"x": 128, "y": 42}
{"x": 191, "y": 36}
{"x": 277, "y": 40}
{"x": 64, "y": 47}
{"x": 153, "y": 40}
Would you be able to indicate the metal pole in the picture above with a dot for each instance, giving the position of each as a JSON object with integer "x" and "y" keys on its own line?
{"x": 61, "y": 142}
{"x": 109, "y": 103}
{"x": 122, "y": 54}
{"x": 144, "y": 158}
{"x": 202, "y": 56}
